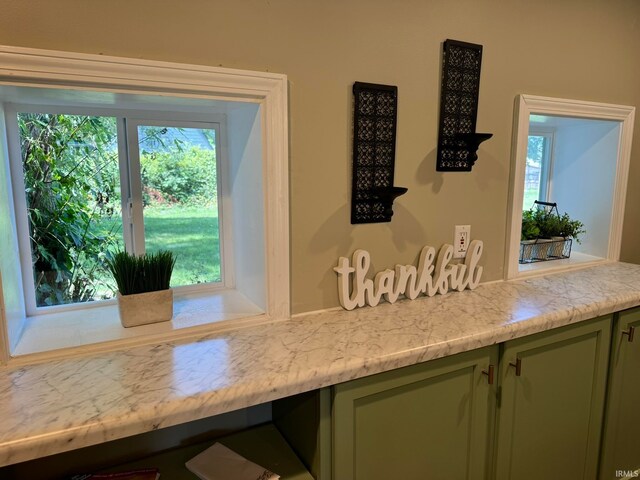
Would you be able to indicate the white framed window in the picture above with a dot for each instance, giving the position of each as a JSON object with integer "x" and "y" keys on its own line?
{"x": 587, "y": 175}
{"x": 244, "y": 117}
{"x": 95, "y": 182}
{"x": 538, "y": 167}
{"x": 180, "y": 165}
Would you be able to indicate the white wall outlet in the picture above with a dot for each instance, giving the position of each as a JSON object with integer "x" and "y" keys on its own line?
{"x": 461, "y": 240}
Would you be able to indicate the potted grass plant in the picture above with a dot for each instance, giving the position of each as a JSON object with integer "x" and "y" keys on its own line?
{"x": 143, "y": 282}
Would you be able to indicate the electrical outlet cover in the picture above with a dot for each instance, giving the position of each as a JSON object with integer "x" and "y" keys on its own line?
{"x": 461, "y": 239}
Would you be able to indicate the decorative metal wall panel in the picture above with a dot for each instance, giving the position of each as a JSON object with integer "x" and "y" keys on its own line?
{"x": 457, "y": 137}
{"x": 374, "y": 150}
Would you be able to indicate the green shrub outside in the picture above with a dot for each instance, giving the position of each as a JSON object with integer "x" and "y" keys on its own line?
{"x": 185, "y": 177}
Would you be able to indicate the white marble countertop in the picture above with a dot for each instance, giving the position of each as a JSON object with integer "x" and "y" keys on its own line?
{"x": 72, "y": 403}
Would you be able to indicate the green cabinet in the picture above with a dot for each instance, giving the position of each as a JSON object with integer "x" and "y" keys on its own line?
{"x": 430, "y": 420}
{"x": 551, "y": 403}
{"x": 542, "y": 418}
{"x": 621, "y": 443}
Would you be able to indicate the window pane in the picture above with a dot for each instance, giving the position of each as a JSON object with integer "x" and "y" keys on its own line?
{"x": 72, "y": 187}
{"x": 179, "y": 188}
{"x": 533, "y": 175}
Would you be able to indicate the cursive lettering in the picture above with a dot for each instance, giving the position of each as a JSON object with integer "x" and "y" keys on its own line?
{"x": 356, "y": 290}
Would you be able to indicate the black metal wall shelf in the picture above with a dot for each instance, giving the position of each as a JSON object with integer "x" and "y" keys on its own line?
{"x": 457, "y": 138}
{"x": 374, "y": 150}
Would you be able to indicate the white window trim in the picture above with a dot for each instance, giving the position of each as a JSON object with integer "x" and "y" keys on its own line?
{"x": 52, "y": 69}
{"x": 531, "y": 104}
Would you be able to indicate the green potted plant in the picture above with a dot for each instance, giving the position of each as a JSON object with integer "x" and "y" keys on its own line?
{"x": 570, "y": 228}
{"x": 541, "y": 226}
{"x": 549, "y": 225}
{"x": 530, "y": 230}
{"x": 565, "y": 228}
{"x": 529, "y": 234}
{"x": 554, "y": 225}
{"x": 144, "y": 295}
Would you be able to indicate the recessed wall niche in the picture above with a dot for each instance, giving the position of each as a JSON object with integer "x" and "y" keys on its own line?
{"x": 574, "y": 153}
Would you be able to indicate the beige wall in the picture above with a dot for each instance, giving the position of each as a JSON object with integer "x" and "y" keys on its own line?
{"x": 583, "y": 49}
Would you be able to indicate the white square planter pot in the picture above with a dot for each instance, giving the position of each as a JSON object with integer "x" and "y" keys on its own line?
{"x": 144, "y": 308}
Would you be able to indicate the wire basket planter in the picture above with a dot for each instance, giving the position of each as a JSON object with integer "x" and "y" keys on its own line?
{"x": 547, "y": 235}
{"x": 543, "y": 250}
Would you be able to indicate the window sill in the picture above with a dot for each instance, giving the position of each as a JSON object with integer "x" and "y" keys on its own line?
{"x": 577, "y": 260}
{"x": 99, "y": 328}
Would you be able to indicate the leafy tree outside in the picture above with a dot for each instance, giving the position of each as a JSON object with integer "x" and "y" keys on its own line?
{"x": 71, "y": 182}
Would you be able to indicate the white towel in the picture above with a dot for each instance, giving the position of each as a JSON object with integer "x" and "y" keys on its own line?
{"x": 220, "y": 463}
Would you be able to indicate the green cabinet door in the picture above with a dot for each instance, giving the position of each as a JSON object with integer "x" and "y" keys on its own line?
{"x": 427, "y": 421}
{"x": 621, "y": 442}
{"x": 551, "y": 403}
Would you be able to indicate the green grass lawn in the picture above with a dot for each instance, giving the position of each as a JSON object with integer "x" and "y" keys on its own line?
{"x": 530, "y": 195}
{"x": 191, "y": 233}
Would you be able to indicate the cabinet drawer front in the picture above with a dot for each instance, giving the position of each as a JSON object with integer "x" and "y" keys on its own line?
{"x": 550, "y": 414}
{"x": 426, "y": 421}
{"x": 621, "y": 441}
